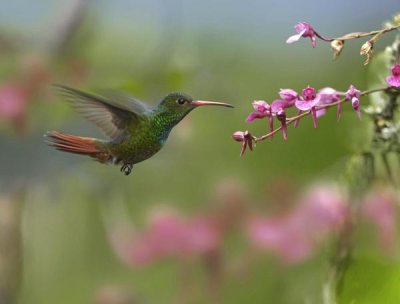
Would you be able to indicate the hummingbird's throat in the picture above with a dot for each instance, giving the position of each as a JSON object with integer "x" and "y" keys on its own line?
{"x": 168, "y": 120}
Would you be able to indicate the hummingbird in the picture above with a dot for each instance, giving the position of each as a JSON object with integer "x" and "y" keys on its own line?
{"x": 135, "y": 130}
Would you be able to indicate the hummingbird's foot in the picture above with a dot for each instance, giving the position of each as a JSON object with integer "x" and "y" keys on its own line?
{"x": 126, "y": 169}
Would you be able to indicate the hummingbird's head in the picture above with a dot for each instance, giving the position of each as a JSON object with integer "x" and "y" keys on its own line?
{"x": 179, "y": 104}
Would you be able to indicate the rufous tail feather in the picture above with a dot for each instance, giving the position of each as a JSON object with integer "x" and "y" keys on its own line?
{"x": 78, "y": 145}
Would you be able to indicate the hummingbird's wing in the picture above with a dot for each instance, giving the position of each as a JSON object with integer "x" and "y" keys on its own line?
{"x": 125, "y": 101}
{"x": 111, "y": 117}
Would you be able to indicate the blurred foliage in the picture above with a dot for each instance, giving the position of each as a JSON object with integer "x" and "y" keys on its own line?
{"x": 370, "y": 281}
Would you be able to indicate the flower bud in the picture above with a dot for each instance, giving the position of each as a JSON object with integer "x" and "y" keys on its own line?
{"x": 337, "y": 47}
{"x": 396, "y": 19}
{"x": 245, "y": 138}
{"x": 367, "y": 49}
{"x": 281, "y": 116}
{"x": 238, "y": 136}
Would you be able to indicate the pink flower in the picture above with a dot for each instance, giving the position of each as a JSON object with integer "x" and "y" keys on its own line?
{"x": 166, "y": 232}
{"x": 352, "y": 92}
{"x": 174, "y": 235}
{"x": 277, "y": 106}
{"x": 201, "y": 236}
{"x": 320, "y": 112}
{"x": 295, "y": 235}
{"x": 327, "y": 96}
{"x": 131, "y": 247}
{"x": 278, "y": 109}
{"x": 323, "y": 209}
{"x": 262, "y": 109}
{"x": 13, "y": 101}
{"x": 353, "y": 95}
{"x": 394, "y": 80}
{"x": 139, "y": 251}
{"x": 308, "y": 101}
{"x": 303, "y": 29}
{"x": 245, "y": 138}
{"x": 380, "y": 209}
{"x": 355, "y": 103}
{"x": 281, "y": 236}
{"x": 168, "y": 235}
{"x": 289, "y": 96}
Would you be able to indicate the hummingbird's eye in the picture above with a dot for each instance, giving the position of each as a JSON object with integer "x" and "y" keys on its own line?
{"x": 181, "y": 101}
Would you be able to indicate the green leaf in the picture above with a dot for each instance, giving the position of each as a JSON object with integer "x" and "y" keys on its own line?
{"x": 369, "y": 281}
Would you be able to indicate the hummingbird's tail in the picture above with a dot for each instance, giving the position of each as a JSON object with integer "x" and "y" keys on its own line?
{"x": 78, "y": 145}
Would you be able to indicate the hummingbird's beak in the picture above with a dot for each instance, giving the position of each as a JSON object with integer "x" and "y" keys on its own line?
{"x": 199, "y": 103}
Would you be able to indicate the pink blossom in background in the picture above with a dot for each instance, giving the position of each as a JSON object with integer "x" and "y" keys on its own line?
{"x": 166, "y": 231}
{"x": 131, "y": 247}
{"x": 281, "y": 236}
{"x": 178, "y": 235}
{"x": 16, "y": 94}
{"x": 140, "y": 251}
{"x": 294, "y": 236}
{"x": 201, "y": 236}
{"x": 323, "y": 209}
{"x": 168, "y": 234}
{"x": 394, "y": 80}
{"x": 13, "y": 101}
{"x": 305, "y": 30}
{"x": 380, "y": 209}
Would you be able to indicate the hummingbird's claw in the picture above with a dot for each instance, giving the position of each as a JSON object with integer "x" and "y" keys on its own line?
{"x": 126, "y": 169}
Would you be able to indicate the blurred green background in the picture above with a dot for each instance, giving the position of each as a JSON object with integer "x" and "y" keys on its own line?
{"x": 214, "y": 50}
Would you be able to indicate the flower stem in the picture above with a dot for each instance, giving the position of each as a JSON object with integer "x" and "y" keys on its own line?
{"x": 357, "y": 35}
